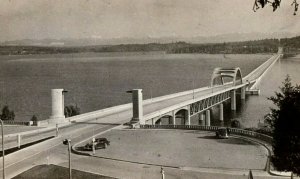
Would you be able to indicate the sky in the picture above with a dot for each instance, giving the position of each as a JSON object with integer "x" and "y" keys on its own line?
{"x": 56, "y": 19}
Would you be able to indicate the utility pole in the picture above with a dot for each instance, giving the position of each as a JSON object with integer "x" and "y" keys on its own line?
{"x": 162, "y": 173}
{"x": 68, "y": 142}
{"x": 3, "y": 151}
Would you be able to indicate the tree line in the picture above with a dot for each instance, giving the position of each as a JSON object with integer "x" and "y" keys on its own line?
{"x": 246, "y": 47}
{"x": 9, "y": 115}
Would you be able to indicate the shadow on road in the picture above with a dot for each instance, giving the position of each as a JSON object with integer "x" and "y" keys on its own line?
{"x": 56, "y": 172}
{"x": 208, "y": 137}
{"x": 100, "y": 123}
{"x": 197, "y": 132}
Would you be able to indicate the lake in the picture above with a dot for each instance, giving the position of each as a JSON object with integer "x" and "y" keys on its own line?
{"x": 100, "y": 80}
{"x": 255, "y": 107}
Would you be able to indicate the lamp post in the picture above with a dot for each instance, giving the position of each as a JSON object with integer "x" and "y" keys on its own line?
{"x": 151, "y": 92}
{"x": 63, "y": 100}
{"x": 162, "y": 173}
{"x": 3, "y": 152}
{"x": 68, "y": 142}
{"x": 193, "y": 89}
{"x": 193, "y": 86}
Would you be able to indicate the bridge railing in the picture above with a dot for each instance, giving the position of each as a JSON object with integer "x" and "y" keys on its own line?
{"x": 19, "y": 123}
{"x": 236, "y": 131}
{"x": 263, "y": 67}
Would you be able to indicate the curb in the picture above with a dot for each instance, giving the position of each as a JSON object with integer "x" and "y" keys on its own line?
{"x": 267, "y": 168}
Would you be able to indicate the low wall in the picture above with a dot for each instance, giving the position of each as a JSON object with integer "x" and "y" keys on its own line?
{"x": 236, "y": 131}
{"x": 11, "y": 140}
{"x": 19, "y": 123}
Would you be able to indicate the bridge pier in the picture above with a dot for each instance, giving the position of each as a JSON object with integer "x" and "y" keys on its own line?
{"x": 233, "y": 99}
{"x": 173, "y": 117}
{"x": 137, "y": 106}
{"x": 243, "y": 93}
{"x": 207, "y": 117}
{"x": 221, "y": 107}
{"x": 201, "y": 117}
{"x": 57, "y": 109}
{"x": 187, "y": 117}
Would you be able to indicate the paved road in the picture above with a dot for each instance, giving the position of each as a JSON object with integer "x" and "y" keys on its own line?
{"x": 52, "y": 151}
{"x": 182, "y": 148}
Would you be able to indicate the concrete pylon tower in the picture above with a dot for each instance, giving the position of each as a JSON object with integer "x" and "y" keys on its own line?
{"x": 57, "y": 110}
{"x": 137, "y": 106}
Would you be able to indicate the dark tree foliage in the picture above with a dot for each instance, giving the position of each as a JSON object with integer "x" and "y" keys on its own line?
{"x": 72, "y": 111}
{"x": 235, "y": 124}
{"x": 285, "y": 120}
{"x": 7, "y": 114}
{"x": 274, "y": 3}
{"x": 34, "y": 118}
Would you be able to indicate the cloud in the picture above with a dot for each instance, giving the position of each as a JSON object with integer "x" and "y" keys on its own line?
{"x": 138, "y": 18}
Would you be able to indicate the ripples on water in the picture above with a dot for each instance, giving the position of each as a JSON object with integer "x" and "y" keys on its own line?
{"x": 97, "y": 81}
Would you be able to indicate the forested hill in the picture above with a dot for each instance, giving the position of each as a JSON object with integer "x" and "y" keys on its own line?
{"x": 292, "y": 43}
{"x": 256, "y": 46}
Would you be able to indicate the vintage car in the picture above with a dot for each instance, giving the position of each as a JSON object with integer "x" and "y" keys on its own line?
{"x": 100, "y": 143}
{"x": 222, "y": 133}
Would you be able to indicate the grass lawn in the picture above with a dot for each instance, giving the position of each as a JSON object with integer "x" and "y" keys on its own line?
{"x": 56, "y": 172}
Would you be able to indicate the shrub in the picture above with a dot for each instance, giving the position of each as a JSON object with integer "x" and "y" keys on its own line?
{"x": 71, "y": 111}
{"x": 235, "y": 124}
{"x": 7, "y": 114}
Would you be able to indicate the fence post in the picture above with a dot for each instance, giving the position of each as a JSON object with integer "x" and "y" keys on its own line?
{"x": 56, "y": 130}
{"x": 93, "y": 145}
{"x": 19, "y": 140}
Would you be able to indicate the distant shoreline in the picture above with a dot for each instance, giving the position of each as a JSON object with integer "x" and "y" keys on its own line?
{"x": 291, "y": 45}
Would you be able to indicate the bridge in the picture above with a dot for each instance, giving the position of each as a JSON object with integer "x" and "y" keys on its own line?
{"x": 178, "y": 108}
{"x": 199, "y": 101}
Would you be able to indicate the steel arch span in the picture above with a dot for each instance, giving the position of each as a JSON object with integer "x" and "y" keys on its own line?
{"x": 218, "y": 75}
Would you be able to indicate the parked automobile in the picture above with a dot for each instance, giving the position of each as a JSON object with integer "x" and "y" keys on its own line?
{"x": 100, "y": 143}
{"x": 222, "y": 133}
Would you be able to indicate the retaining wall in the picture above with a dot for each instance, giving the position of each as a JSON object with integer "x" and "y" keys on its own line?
{"x": 236, "y": 131}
